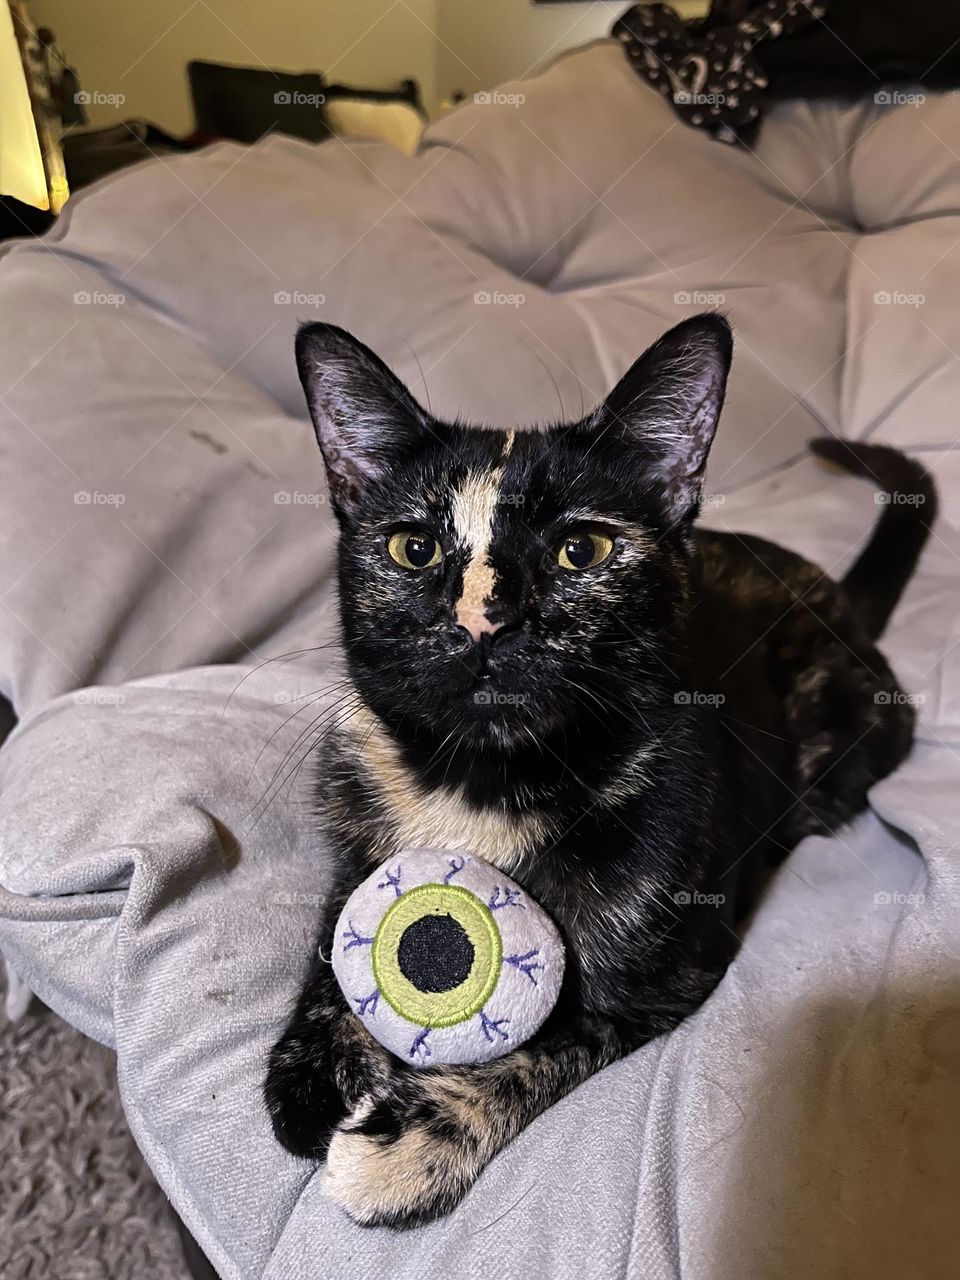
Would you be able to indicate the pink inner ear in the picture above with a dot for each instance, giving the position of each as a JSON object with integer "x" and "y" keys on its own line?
{"x": 683, "y": 453}
{"x": 362, "y": 413}
{"x": 668, "y": 405}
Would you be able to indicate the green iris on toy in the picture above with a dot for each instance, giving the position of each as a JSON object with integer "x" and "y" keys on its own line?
{"x": 445, "y": 959}
{"x": 436, "y": 955}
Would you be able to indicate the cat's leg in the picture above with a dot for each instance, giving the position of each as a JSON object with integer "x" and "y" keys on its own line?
{"x": 410, "y": 1151}
{"x": 852, "y": 726}
{"x": 321, "y": 1067}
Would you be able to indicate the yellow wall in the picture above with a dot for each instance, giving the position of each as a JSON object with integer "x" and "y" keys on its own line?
{"x": 484, "y": 42}
{"x": 21, "y": 165}
{"x": 140, "y": 48}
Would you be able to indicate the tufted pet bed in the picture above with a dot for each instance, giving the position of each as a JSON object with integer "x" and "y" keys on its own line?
{"x": 163, "y": 510}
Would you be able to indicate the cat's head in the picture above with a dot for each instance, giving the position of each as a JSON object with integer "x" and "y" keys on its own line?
{"x": 502, "y": 588}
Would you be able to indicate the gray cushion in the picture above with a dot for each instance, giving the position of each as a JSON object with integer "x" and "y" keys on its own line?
{"x": 160, "y": 886}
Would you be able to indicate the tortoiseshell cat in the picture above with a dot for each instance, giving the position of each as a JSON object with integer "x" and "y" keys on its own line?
{"x": 686, "y": 707}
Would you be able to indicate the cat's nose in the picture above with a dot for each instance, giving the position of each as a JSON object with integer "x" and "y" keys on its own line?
{"x": 486, "y": 632}
{"x": 477, "y": 625}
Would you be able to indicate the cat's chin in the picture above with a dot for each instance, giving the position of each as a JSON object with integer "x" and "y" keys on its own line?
{"x": 484, "y": 715}
{"x": 494, "y": 716}
{"x": 500, "y": 734}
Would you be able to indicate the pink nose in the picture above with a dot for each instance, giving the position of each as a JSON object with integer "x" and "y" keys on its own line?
{"x": 477, "y": 624}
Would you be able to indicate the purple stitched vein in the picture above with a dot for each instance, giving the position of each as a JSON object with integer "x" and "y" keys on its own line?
{"x": 511, "y": 899}
{"x": 455, "y": 866}
{"x": 490, "y": 1026}
{"x": 393, "y": 878}
{"x": 526, "y": 963}
{"x": 356, "y": 939}
{"x": 420, "y": 1044}
{"x": 364, "y": 1003}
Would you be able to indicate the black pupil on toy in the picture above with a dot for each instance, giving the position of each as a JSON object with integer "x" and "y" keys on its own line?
{"x": 420, "y": 549}
{"x": 435, "y": 953}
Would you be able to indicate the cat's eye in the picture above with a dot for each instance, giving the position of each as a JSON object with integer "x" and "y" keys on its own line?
{"x": 583, "y": 549}
{"x": 414, "y": 549}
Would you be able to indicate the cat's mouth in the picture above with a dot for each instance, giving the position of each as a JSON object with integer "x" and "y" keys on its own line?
{"x": 489, "y": 695}
{"x": 499, "y": 710}
{"x": 492, "y": 685}
{"x": 502, "y": 700}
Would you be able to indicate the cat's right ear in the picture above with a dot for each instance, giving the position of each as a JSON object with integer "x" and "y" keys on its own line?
{"x": 364, "y": 417}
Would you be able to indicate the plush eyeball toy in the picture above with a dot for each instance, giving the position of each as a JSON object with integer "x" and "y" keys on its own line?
{"x": 445, "y": 959}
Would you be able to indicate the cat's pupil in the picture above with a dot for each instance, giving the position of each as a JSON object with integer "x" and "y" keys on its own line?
{"x": 420, "y": 549}
{"x": 580, "y": 552}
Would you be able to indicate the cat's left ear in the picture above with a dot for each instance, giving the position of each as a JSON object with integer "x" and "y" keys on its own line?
{"x": 364, "y": 417}
{"x": 668, "y": 404}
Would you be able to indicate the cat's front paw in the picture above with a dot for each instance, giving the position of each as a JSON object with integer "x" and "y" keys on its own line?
{"x": 320, "y": 1070}
{"x": 392, "y": 1172}
{"x": 303, "y": 1099}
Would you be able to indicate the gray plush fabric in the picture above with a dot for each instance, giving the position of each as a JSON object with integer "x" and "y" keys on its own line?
{"x": 159, "y": 862}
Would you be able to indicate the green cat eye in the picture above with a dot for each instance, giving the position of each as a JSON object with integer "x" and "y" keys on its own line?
{"x": 583, "y": 549}
{"x": 414, "y": 549}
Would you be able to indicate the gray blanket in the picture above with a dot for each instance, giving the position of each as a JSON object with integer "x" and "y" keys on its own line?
{"x": 163, "y": 507}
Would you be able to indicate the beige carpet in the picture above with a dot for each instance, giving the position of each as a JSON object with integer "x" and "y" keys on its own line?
{"x": 76, "y": 1200}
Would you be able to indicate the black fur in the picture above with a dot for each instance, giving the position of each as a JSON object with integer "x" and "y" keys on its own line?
{"x": 651, "y": 735}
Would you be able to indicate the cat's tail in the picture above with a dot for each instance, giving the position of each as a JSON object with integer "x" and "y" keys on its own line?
{"x": 908, "y": 497}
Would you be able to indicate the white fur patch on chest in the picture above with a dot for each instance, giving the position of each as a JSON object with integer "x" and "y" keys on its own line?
{"x": 415, "y": 817}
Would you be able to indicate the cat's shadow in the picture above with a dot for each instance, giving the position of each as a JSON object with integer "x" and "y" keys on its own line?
{"x": 846, "y": 1165}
